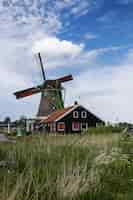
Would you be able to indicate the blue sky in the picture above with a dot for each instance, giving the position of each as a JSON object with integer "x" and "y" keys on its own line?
{"x": 92, "y": 39}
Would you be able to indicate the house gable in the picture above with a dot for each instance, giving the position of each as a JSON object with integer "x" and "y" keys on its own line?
{"x": 66, "y": 113}
{"x": 84, "y": 117}
{"x": 81, "y": 111}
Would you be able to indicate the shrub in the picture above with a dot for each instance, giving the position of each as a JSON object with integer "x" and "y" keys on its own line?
{"x": 103, "y": 130}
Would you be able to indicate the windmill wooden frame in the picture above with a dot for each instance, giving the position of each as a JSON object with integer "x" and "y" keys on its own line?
{"x": 51, "y": 93}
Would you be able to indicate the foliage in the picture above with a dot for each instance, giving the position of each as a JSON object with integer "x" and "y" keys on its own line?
{"x": 88, "y": 167}
{"x": 22, "y": 122}
{"x": 125, "y": 124}
{"x": 7, "y": 120}
{"x": 104, "y": 130}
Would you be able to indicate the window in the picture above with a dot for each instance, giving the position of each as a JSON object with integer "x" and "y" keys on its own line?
{"x": 61, "y": 126}
{"x": 84, "y": 126}
{"x": 84, "y": 114}
{"x": 75, "y": 114}
{"x": 75, "y": 126}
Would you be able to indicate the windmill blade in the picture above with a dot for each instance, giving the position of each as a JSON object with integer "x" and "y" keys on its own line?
{"x": 27, "y": 92}
{"x": 42, "y": 68}
{"x": 65, "y": 78}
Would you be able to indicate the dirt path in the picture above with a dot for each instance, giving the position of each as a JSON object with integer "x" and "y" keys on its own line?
{"x": 3, "y": 138}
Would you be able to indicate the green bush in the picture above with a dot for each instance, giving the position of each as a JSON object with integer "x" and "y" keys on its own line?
{"x": 103, "y": 130}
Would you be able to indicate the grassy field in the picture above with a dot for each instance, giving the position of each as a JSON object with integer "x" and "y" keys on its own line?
{"x": 89, "y": 167}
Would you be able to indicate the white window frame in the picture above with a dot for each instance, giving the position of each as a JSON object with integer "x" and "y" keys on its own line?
{"x": 75, "y": 129}
{"x": 83, "y": 114}
{"x": 60, "y": 129}
{"x": 75, "y": 114}
{"x": 86, "y": 124}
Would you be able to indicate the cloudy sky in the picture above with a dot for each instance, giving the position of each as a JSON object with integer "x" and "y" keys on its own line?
{"x": 92, "y": 39}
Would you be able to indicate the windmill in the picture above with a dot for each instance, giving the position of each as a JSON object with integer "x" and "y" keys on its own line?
{"x": 51, "y": 93}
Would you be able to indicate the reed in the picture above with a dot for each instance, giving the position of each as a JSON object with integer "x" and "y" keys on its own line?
{"x": 88, "y": 167}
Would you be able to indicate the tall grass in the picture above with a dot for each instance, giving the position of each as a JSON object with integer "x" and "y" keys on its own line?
{"x": 101, "y": 129}
{"x": 87, "y": 167}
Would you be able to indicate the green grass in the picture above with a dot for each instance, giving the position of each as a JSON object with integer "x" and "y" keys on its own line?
{"x": 73, "y": 167}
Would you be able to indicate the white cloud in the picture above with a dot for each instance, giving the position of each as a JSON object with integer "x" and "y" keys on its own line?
{"x": 110, "y": 17}
{"x": 22, "y": 24}
{"x": 54, "y": 47}
{"x": 77, "y": 8}
{"x": 18, "y": 68}
{"x": 63, "y": 4}
{"x": 59, "y": 52}
{"x": 90, "y": 36}
{"x": 27, "y": 18}
{"x": 81, "y": 9}
{"x": 107, "y": 91}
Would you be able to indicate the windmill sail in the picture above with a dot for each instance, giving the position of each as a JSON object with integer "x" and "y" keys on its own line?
{"x": 42, "y": 68}
{"x": 51, "y": 93}
{"x": 27, "y": 92}
{"x": 65, "y": 78}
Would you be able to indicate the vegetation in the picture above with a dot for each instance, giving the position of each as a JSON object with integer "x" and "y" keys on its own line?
{"x": 7, "y": 120}
{"x": 87, "y": 167}
{"x": 101, "y": 129}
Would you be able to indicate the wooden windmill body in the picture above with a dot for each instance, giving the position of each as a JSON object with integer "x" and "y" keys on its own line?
{"x": 51, "y": 93}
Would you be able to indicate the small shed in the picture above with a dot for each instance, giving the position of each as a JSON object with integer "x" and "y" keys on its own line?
{"x": 73, "y": 119}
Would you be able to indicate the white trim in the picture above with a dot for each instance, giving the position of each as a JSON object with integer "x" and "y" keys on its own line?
{"x": 41, "y": 118}
{"x": 92, "y": 113}
{"x": 75, "y": 114}
{"x": 66, "y": 113}
{"x": 59, "y": 129}
{"x": 86, "y": 124}
{"x": 83, "y": 114}
{"x": 73, "y": 108}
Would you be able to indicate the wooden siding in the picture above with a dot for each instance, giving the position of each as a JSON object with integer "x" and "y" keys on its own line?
{"x": 91, "y": 120}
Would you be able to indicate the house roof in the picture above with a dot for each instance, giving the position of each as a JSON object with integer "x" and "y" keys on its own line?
{"x": 57, "y": 114}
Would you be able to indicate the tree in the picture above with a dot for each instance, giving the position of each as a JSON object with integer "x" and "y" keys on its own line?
{"x": 22, "y": 121}
{"x": 7, "y": 120}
